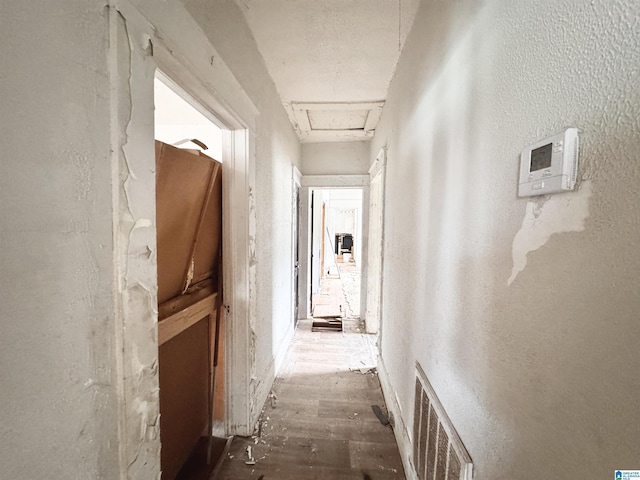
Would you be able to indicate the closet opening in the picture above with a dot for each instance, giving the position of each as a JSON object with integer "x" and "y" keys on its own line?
{"x": 191, "y": 328}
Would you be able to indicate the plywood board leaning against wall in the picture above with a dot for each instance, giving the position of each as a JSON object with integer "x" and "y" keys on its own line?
{"x": 189, "y": 229}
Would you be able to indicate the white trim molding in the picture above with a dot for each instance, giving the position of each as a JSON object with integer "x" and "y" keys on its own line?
{"x": 143, "y": 38}
{"x": 309, "y": 183}
{"x": 301, "y": 113}
{"x": 335, "y": 181}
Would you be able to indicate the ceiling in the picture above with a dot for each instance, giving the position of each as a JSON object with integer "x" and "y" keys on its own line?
{"x": 331, "y": 60}
{"x": 178, "y": 122}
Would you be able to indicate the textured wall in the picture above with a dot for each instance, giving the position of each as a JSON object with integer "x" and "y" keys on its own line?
{"x": 324, "y": 51}
{"x": 58, "y": 408}
{"x": 78, "y": 350}
{"x": 523, "y": 312}
{"x": 276, "y": 150}
{"x": 335, "y": 158}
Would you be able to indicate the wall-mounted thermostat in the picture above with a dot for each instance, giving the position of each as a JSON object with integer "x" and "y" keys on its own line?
{"x": 550, "y": 165}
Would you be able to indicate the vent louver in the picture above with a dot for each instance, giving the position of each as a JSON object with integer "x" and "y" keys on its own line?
{"x": 438, "y": 452}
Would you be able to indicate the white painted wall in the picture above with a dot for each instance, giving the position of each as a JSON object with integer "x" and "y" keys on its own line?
{"x": 58, "y": 414}
{"x": 340, "y": 158}
{"x": 78, "y": 350}
{"x": 276, "y": 149}
{"x": 522, "y": 312}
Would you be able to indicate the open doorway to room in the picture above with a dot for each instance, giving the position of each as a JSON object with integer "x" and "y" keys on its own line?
{"x": 336, "y": 256}
{"x": 189, "y": 251}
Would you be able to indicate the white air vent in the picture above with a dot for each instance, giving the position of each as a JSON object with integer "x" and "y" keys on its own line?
{"x": 438, "y": 452}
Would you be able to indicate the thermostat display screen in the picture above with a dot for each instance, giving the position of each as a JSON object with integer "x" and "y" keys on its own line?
{"x": 541, "y": 158}
{"x": 549, "y": 165}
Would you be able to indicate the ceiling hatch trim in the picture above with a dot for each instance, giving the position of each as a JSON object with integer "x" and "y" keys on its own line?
{"x": 326, "y": 122}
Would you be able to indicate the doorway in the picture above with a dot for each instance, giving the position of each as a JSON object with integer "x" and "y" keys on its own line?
{"x": 189, "y": 274}
{"x": 295, "y": 239}
{"x": 335, "y": 254}
{"x": 375, "y": 264}
{"x": 179, "y": 120}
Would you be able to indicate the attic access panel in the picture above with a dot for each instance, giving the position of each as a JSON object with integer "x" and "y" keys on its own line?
{"x": 336, "y": 121}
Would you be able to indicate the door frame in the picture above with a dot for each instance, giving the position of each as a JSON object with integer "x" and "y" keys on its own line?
{"x": 296, "y": 182}
{"x": 238, "y": 168}
{"x": 141, "y": 40}
{"x": 310, "y": 182}
{"x": 375, "y": 252}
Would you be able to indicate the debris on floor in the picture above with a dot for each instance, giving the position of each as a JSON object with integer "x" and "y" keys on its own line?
{"x": 384, "y": 419}
{"x": 363, "y": 370}
{"x": 273, "y": 399}
{"x": 327, "y": 317}
{"x": 316, "y": 408}
{"x": 251, "y": 461}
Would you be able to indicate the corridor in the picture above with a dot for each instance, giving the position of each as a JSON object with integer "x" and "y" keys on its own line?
{"x": 496, "y": 145}
{"x": 318, "y": 422}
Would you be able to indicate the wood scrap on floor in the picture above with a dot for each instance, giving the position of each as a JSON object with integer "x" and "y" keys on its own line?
{"x": 333, "y": 325}
{"x": 327, "y": 317}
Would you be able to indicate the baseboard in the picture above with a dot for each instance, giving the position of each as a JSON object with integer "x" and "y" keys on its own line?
{"x": 400, "y": 426}
{"x": 264, "y": 383}
{"x": 283, "y": 348}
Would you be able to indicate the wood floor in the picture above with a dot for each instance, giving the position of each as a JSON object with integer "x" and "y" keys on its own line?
{"x": 319, "y": 423}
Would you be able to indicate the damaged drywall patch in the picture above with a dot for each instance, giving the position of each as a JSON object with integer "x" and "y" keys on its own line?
{"x": 547, "y": 216}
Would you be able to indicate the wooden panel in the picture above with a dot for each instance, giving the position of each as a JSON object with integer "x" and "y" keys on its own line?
{"x": 180, "y": 321}
{"x": 184, "y": 393}
{"x": 182, "y": 184}
{"x": 210, "y": 237}
{"x": 218, "y": 405}
{"x": 193, "y": 295}
{"x": 189, "y": 233}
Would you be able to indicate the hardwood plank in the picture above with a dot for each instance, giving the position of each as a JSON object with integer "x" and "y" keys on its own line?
{"x": 382, "y": 458}
{"x": 312, "y": 431}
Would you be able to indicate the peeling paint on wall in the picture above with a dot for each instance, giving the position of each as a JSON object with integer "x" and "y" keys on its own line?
{"x": 134, "y": 209}
{"x": 545, "y": 217}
